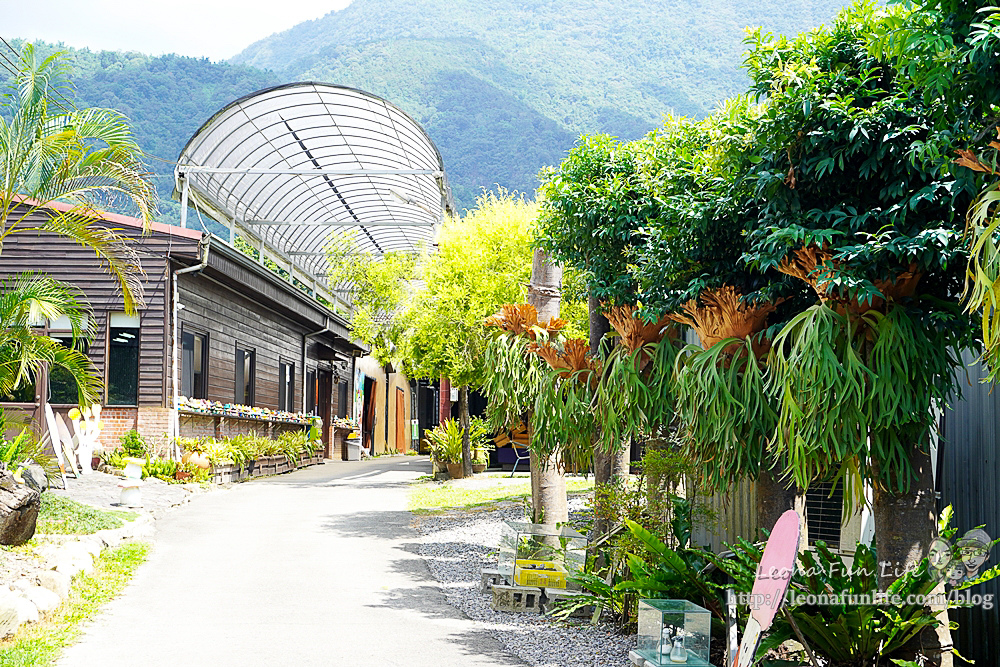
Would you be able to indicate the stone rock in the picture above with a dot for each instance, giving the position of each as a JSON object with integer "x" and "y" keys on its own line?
{"x": 57, "y": 582}
{"x": 34, "y": 476}
{"x": 10, "y": 620}
{"x": 43, "y": 599}
{"x": 19, "y": 505}
{"x": 27, "y": 612}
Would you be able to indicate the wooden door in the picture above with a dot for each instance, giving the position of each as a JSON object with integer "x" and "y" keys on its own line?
{"x": 401, "y": 430}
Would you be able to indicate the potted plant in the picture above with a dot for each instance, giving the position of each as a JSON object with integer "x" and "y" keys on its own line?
{"x": 480, "y": 442}
{"x": 446, "y": 446}
{"x": 480, "y": 459}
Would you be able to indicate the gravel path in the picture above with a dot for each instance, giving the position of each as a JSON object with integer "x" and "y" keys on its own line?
{"x": 458, "y": 545}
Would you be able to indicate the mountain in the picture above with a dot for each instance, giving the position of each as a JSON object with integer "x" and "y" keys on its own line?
{"x": 167, "y": 98}
{"x": 505, "y": 87}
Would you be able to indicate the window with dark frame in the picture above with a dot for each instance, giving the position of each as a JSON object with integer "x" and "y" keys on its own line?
{"x": 286, "y": 386}
{"x": 311, "y": 393}
{"x": 62, "y": 387}
{"x": 246, "y": 370}
{"x": 194, "y": 364}
{"x": 123, "y": 360}
{"x": 342, "y": 399}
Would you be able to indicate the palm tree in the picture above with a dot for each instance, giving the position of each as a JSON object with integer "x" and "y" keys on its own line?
{"x": 26, "y": 300}
{"x": 60, "y": 166}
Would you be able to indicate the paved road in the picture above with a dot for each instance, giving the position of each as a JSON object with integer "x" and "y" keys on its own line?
{"x": 316, "y": 567}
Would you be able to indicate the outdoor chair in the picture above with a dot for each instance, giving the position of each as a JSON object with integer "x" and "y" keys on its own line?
{"x": 520, "y": 454}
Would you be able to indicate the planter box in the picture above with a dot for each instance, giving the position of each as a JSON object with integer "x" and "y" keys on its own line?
{"x": 222, "y": 474}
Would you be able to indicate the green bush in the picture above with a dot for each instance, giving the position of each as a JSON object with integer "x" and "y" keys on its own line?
{"x": 133, "y": 445}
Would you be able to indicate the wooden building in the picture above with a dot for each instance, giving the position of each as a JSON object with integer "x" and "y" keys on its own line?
{"x": 239, "y": 333}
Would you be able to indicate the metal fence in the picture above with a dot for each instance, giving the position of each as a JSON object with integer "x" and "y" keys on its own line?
{"x": 968, "y": 480}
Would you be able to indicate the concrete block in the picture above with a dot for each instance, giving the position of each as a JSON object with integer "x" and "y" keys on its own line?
{"x": 553, "y": 595}
{"x": 519, "y": 599}
{"x": 489, "y": 579}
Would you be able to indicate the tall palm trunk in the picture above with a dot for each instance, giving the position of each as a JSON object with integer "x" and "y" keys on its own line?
{"x": 548, "y": 484}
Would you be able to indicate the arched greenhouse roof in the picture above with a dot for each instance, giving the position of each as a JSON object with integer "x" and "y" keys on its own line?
{"x": 290, "y": 167}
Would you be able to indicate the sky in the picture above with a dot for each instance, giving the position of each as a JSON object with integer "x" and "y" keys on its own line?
{"x": 216, "y": 29}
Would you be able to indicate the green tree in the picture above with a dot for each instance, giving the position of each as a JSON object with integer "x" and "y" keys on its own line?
{"x": 379, "y": 289}
{"x": 26, "y": 300}
{"x": 482, "y": 261}
{"x": 60, "y": 166}
{"x": 859, "y": 198}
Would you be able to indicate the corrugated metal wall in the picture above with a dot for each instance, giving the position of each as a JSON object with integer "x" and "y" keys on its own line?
{"x": 968, "y": 480}
{"x": 731, "y": 515}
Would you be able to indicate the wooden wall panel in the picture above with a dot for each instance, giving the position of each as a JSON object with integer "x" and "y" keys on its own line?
{"x": 69, "y": 262}
{"x": 231, "y": 319}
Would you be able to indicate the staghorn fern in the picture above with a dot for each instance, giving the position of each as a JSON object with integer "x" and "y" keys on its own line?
{"x": 726, "y": 413}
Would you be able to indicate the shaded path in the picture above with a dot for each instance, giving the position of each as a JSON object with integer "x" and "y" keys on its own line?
{"x": 316, "y": 567}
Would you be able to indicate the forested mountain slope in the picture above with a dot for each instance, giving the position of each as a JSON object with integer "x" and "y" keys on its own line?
{"x": 503, "y": 88}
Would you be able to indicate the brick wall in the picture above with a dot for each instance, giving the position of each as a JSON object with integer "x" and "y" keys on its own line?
{"x": 117, "y": 422}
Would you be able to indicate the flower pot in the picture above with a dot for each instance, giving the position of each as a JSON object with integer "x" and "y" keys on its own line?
{"x": 197, "y": 460}
{"x": 478, "y": 467}
{"x": 456, "y": 470}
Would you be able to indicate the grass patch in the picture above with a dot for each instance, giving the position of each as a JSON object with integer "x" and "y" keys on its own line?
{"x": 436, "y": 497}
{"x": 39, "y": 644}
{"x": 61, "y": 516}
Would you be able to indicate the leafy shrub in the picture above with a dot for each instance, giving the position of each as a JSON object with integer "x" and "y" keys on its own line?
{"x": 160, "y": 468}
{"x": 446, "y": 439}
{"x": 848, "y": 634}
{"x": 133, "y": 445}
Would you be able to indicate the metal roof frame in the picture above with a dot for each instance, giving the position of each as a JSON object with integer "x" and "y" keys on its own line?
{"x": 284, "y": 167}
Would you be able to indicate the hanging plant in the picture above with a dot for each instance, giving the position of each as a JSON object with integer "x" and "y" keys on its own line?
{"x": 522, "y": 320}
{"x": 634, "y": 331}
{"x": 512, "y": 379}
{"x": 726, "y": 413}
{"x": 817, "y": 267}
{"x": 909, "y": 373}
{"x": 635, "y": 396}
{"x": 562, "y": 421}
{"x": 821, "y": 383}
{"x": 721, "y": 313}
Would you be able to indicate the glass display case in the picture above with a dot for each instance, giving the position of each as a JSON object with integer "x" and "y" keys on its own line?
{"x": 540, "y": 555}
{"x": 674, "y": 632}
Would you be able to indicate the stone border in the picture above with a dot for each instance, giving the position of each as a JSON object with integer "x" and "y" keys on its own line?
{"x": 65, "y": 556}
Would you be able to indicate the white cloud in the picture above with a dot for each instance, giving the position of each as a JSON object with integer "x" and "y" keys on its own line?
{"x": 217, "y": 29}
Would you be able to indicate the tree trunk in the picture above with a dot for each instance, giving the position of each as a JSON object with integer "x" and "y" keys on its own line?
{"x": 774, "y": 498}
{"x": 603, "y": 467}
{"x": 463, "y": 422}
{"x": 548, "y": 490}
{"x": 548, "y": 484}
{"x": 904, "y": 527}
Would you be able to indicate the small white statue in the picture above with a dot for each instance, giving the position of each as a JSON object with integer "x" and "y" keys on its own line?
{"x": 88, "y": 426}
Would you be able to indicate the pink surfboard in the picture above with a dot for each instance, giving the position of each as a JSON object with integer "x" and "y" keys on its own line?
{"x": 777, "y": 564}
